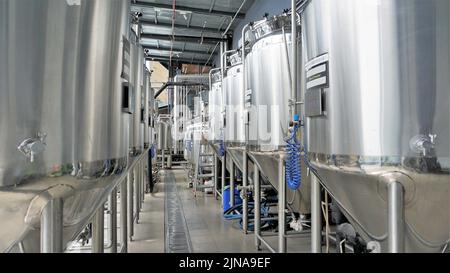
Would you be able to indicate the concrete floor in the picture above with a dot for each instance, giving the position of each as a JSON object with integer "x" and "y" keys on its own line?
{"x": 209, "y": 232}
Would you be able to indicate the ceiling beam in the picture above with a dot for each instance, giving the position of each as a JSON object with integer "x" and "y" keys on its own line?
{"x": 161, "y": 48}
{"x": 186, "y": 55}
{"x": 179, "y": 60}
{"x": 141, "y": 4}
{"x": 178, "y": 26}
{"x": 182, "y": 38}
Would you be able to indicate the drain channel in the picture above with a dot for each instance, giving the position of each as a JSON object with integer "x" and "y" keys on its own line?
{"x": 177, "y": 238}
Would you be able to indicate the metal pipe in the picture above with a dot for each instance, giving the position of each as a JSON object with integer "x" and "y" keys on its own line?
{"x": 137, "y": 174}
{"x": 113, "y": 220}
{"x": 396, "y": 218}
{"x": 257, "y": 214}
{"x": 232, "y": 184}
{"x": 266, "y": 244}
{"x": 294, "y": 57}
{"x": 216, "y": 178}
{"x": 316, "y": 216}
{"x": 245, "y": 200}
{"x": 98, "y": 229}
{"x": 245, "y": 159}
{"x": 130, "y": 205}
{"x": 162, "y": 159}
{"x": 123, "y": 216}
{"x": 52, "y": 227}
{"x": 234, "y": 18}
{"x": 224, "y": 170}
{"x": 281, "y": 206}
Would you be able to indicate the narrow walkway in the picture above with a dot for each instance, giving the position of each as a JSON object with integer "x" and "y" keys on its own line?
{"x": 207, "y": 231}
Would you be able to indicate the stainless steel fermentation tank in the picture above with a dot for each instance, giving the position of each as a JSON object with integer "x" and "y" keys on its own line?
{"x": 234, "y": 110}
{"x": 63, "y": 128}
{"x": 183, "y": 104}
{"x": 138, "y": 75}
{"x": 377, "y": 103}
{"x": 268, "y": 92}
{"x": 216, "y": 104}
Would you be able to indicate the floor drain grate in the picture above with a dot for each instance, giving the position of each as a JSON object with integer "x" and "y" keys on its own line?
{"x": 177, "y": 234}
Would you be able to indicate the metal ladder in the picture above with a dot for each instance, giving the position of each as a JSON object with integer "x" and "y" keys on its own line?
{"x": 200, "y": 174}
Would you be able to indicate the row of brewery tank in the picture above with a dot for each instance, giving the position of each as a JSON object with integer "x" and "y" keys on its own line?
{"x": 76, "y": 109}
{"x": 373, "y": 103}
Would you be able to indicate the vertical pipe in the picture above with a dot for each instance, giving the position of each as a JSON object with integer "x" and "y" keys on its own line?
{"x": 396, "y": 218}
{"x": 281, "y": 206}
{"x": 232, "y": 184}
{"x": 113, "y": 220}
{"x": 294, "y": 57}
{"x": 123, "y": 215}
{"x": 52, "y": 227}
{"x": 245, "y": 160}
{"x": 224, "y": 170}
{"x": 98, "y": 231}
{"x": 137, "y": 178}
{"x": 257, "y": 220}
{"x": 130, "y": 206}
{"x": 162, "y": 159}
{"x": 169, "y": 159}
{"x": 316, "y": 216}
{"x": 216, "y": 173}
{"x": 245, "y": 200}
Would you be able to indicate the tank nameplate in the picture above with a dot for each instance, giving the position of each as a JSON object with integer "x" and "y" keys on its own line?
{"x": 317, "y": 75}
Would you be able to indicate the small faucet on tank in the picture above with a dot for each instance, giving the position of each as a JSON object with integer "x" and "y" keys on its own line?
{"x": 31, "y": 147}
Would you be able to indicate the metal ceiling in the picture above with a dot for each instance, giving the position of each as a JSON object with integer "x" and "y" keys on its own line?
{"x": 198, "y": 26}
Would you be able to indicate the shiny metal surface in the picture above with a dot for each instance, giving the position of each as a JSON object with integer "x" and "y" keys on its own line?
{"x": 269, "y": 79}
{"x": 137, "y": 82}
{"x": 60, "y": 77}
{"x": 234, "y": 100}
{"x": 216, "y": 103}
{"x": 385, "y": 113}
{"x": 184, "y": 101}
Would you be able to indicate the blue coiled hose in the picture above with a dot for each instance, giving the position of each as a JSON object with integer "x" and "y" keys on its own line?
{"x": 293, "y": 167}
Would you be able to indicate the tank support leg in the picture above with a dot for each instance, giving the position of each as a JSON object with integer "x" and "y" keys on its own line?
{"x": 130, "y": 206}
{"x": 281, "y": 206}
{"x": 396, "y": 218}
{"x": 52, "y": 227}
{"x": 224, "y": 171}
{"x": 245, "y": 200}
{"x": 316, "y": 216}
{"x": 113, "y": 220}
{"x": 257, "y": 197}
{"x": 216, "y": 175}
{"x": 232, "y": 184}
{"x": 137, "y": 181}
{"x": 123, "y": 215}
{"x": 98, "y": 229}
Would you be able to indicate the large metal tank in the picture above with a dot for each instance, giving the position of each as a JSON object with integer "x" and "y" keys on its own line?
{"x": 183, "y": 104}
{"x": 378, "y": 105}
{"x": 269, "y": 87}
{"x": 215, "y": 109}
{"x": 63, "y": 128}
{"x": 234, "y": 110}
{"x": 137, "y": 84}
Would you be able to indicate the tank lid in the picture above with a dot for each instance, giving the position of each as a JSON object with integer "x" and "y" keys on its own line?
{"x": 235, "y": 59}
{"x": 270, "y": 25}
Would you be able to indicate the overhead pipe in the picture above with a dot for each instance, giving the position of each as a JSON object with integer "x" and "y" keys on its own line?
{"x": 169, "y": 84}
